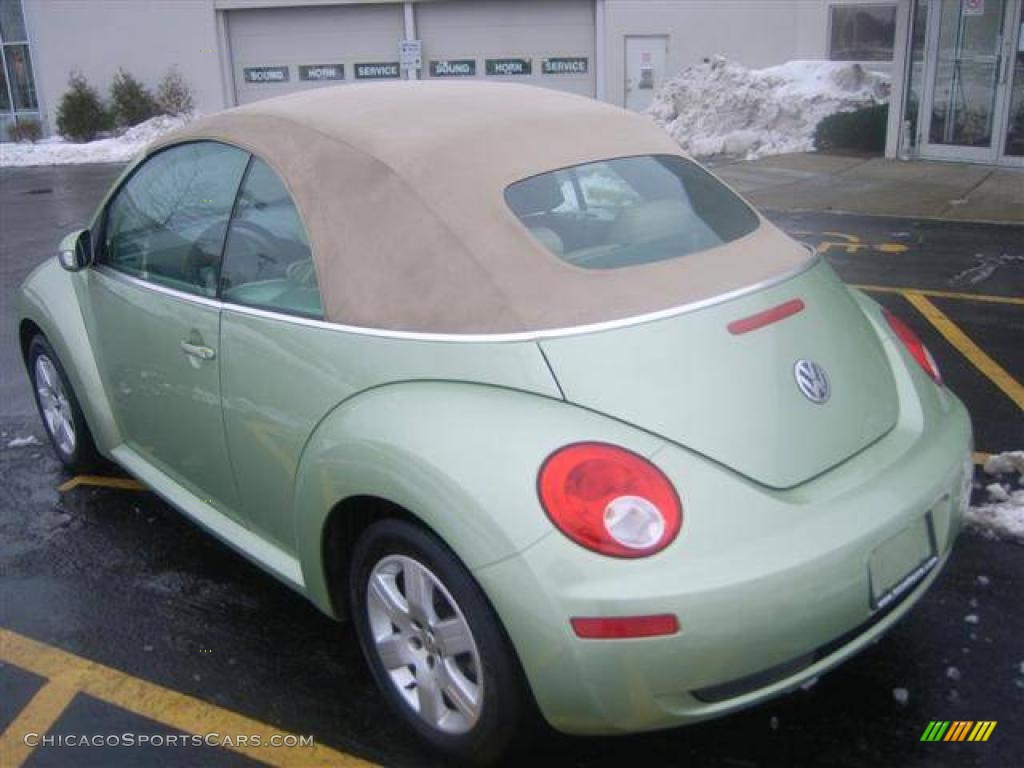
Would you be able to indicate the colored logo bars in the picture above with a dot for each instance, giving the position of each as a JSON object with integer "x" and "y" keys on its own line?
{"x": 958, "y": 730}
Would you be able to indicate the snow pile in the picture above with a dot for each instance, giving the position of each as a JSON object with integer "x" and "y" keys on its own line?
{"x": 117, "y": 149}
{"x": 1003, "y": 513}
{"x": 721, "y": 107}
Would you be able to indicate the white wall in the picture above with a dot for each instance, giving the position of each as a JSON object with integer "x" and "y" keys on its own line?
{"x": 145, "y": 38}
{"x": 757, "y": 33}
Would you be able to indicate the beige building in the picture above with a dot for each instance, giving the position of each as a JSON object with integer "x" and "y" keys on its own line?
{"x": 960, "y": 62}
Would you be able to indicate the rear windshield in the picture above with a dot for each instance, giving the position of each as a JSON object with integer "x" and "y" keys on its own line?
{"x": 629, "y": 211}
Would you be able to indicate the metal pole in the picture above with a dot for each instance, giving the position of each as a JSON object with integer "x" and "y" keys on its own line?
{"x": 410, "y": 33}
{"x": 600, "y": 50}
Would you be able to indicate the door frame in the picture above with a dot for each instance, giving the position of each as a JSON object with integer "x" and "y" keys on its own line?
{"x": 994, "y": 154}
{"x": 1013, "y": 41}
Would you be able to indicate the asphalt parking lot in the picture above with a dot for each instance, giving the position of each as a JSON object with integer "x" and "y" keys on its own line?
{"x": 118, "y": 616}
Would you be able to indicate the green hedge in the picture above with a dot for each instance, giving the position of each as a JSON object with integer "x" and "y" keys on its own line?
{"x": 863, "y": 130}
{"x": 81, "y": 113}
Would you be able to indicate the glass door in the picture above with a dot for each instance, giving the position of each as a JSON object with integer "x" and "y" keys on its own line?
{"x": 1013, "y": 79}
{"x": 964, "y": 102}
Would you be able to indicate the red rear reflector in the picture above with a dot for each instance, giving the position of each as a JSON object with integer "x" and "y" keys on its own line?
{"x": 769, "y": 316}
{"x": 619, "y": 627}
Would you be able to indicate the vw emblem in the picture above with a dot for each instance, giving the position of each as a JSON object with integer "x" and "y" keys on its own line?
{"x": 812, "y": 380}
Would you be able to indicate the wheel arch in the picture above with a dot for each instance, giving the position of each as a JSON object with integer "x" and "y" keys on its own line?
{"x": 343, "y": 526}
{"x": 27, "y": 330}
{"x": 48, "y": 304}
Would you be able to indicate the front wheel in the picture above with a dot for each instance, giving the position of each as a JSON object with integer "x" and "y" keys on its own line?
{"x": 62, "y": 416}
{"x": 434, "y": 644}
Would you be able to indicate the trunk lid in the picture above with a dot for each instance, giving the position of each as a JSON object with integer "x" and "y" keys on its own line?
{"x": 734, "y": 397}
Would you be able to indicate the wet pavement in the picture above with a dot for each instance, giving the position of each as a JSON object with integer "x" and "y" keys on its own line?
{"x": 119, "y": 578}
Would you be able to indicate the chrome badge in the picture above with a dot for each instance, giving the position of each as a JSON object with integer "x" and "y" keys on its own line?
{"x": 812, "y": 380}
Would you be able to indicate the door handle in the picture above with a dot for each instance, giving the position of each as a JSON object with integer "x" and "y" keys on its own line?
{"x": 198, "y": 350}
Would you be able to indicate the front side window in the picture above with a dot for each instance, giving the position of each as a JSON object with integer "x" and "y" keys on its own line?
{"x": 629, "y": 211}
{"x": 167, "y": 222}
{"x": 267, "y": 259}
{"x": 862, "y": 32}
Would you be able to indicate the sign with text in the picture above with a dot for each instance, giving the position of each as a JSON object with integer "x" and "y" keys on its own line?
{"x": 381, "y": 70}
{"x": 566, "y": 65}
{"x": 509, "y": 67}
{"x": 265, "y": 74}
{"x": 321, "y": 72}
{"x": 410, "y": 54}
{"x": 974, "y": 7}
{"x": 453, "y": 68}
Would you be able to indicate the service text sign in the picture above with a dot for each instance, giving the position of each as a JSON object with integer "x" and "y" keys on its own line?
{"x": 379, "y": 70}
{"x": 566, "y": 65}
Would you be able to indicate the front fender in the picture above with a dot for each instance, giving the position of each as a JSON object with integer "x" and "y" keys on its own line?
{"x": 463, "y": 458}
{"x": 49, "y": 298}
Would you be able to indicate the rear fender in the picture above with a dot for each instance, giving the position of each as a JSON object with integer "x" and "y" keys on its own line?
{"x": 462, "y": 458}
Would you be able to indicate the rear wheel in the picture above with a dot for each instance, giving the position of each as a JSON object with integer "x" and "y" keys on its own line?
{"x": 62, "y": 416}
{"x": 434, "y": 644}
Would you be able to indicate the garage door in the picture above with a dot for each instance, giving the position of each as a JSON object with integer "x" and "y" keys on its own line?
{"x": 280, "y": 50}
{"x": 542, "y": 42}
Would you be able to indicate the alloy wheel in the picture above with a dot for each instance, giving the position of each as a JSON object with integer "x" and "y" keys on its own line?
{"x": 54, "y": 403}
{"x": 425, "y": 644}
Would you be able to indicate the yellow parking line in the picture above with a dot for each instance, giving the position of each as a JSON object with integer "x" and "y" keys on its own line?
{"x": 177, "y": 710}
{"x": 995, "y": 372}
{"x": 944, "y": 294}
{"x": 38, "y": 716}
{"x": 124, "y": 483}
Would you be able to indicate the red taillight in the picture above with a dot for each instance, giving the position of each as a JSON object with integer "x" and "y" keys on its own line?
{"x": 610, "y": 500}
{"x": 618, "y": 627}
{"x": 914, "y": 346}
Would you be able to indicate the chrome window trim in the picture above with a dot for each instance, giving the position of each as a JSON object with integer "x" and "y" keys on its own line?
{"x": 542, "y": 335}
{"x": 116, "y": 274}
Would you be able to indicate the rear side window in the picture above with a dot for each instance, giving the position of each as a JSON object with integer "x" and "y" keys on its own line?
{"x": 267, "y": 259}
{"x": 629, "y": 211}
{"x": 166, "y": 224}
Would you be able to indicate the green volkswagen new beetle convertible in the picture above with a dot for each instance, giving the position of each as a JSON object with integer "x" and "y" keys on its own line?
{"x": 553, "y": 416}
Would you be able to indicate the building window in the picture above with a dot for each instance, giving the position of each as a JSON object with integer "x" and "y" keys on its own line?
{"x": 17, "y": 84}
{"x": 862, "y": 32}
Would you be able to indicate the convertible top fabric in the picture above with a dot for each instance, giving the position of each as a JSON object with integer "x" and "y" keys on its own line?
{"x": 401, "y": 188}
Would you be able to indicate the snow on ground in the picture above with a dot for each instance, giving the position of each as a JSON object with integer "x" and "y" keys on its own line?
{"x": 22, "y": 442}
{"x": 721, "y": 107}
{"x": 117, "y": 149}
{"x": 1002, "y": 514}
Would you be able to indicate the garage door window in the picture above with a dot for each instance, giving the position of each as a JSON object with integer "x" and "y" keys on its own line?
{"x": 629, "y": 211}
{"x": 267, "y": 259}
{"x": 167, "y": 223}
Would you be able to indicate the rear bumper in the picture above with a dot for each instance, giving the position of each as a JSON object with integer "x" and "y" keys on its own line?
{"x": 771, "y": 588}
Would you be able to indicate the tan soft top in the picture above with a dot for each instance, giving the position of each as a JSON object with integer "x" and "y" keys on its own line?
{"x": 401, "y": 187}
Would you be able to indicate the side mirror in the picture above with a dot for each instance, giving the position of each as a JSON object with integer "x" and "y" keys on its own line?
{"x": 75, "y": 251}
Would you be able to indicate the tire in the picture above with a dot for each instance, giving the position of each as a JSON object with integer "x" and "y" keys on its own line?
{"x": 59, "y": 409}
{"x": 426, "y": 649}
